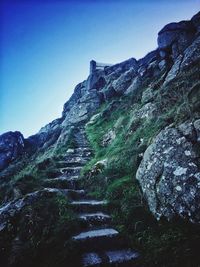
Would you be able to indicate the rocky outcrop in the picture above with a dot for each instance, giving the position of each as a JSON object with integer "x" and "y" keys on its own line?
{"x": 174, "y": 38}
{"x": 24, "y": 222}
{"x": 11, "y": 209}
{"x": 178, "y": 49}
{"x": 169, "y": 173}
{"x": 11, "y": 146}
{"x": 196, "y": 21}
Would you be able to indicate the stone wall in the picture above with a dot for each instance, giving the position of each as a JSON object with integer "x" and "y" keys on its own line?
{"x": 97, "y": 66}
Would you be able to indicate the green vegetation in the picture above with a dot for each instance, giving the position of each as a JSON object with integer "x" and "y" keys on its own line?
{"x": 29, "y": 173}
{"x": 161, "y": 243}
{"x": 43, "y": 230}
{"x": 45, "y": 227}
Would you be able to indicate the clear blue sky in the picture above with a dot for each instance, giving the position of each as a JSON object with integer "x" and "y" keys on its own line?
{"x": 46, "y": 47}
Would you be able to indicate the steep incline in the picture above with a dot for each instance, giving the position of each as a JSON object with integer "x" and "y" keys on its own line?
{"x": 142, "y": 119}
{"x": 98, "y": 243}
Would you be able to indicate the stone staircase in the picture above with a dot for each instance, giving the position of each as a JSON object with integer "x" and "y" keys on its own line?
{"x": 99, "y": 244}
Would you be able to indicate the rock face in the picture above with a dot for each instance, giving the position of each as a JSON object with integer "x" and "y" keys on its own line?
{"x": 169, "y": 171}
{"x": 178, "y": 47}
{"x": 169, "y": 174}
{"x": 11, "y": 146}
{"x": 19, "y": 225}
{"x": 13, "y": 208}
{"x": 175, "y": 37}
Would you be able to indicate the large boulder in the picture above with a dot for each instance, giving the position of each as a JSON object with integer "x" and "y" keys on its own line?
{"x": 175, "y": 37}
{"x": 196, "y": 21}
{"x": 13, "y": 208}
{"x": 11, "y": 146}
{"x": 191, "y": 54}
{"x": 30, "y": 223}
{"x": 121, "y": 84}
{"x": 169, "y": 174}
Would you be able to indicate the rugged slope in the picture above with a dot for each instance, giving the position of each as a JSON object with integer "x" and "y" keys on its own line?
{"x": 142, "y": 118}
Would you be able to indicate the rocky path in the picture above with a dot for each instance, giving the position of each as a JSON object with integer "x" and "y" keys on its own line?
{"x": 99, "y": 244}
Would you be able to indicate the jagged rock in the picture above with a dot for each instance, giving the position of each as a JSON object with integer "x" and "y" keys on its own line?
{"x": 84, "y": 108}
{"x": 93, "y": 119}
{"x": 109, "y": 93}
{"x": 17, "y": 205}
{"x": 123, "y": 82}
{"x": 194, "y": 97}
{"x": 196, "y": 21}
{"x": 174, "y": 70}
{"x": 170, "y": 177}
{"x": 162, "y": 64}
{"x": 148, "y": 95}
{"x": 175, "y": 37}
{"x": 150, "y": 57}
{"x": 135, "y": 85}
{"x": 188, "y": 130}
{"x": 197, "y": 128}
{"x": 11, "y": 210}
{"x": 191, "y": 54}
{"x": 12, "y": 145}
{"x": 107, "y": 81}
{"x": 122, "y": 67}
{"x": 24, "y": 221}
{"x": 149, "y": 111}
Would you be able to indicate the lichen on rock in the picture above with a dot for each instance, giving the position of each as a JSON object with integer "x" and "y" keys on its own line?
{"x": 169, "y": 176}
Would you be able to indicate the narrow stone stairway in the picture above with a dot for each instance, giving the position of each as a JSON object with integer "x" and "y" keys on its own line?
{"x": 99, "y": 244}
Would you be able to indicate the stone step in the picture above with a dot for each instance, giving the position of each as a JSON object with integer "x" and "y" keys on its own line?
{"x": 89, "y": 206}
{"x": 79, "y": 149}
{"x": 72, "y": 162}
{"x": 97, "y": 218}
{"x": 70, "y": 170}
{"x": 123, "y": 258}
{"x": 103, "y": 238}
{"x": 70, "y": 193}
{"x": 63, "y": 182}
{"x": 75, "y": 194}
{"x": 91, "y": 259}
{"x": 82, "y": 150}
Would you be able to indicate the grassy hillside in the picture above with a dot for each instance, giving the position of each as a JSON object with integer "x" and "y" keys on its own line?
{"x": 119, "y": 135}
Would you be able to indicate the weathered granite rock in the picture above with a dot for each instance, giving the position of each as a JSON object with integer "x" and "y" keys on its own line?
{"x": 148, "y": 95}
{"x": 11, "y": 146}
{"x": 124, "y": 81}
{"x": 191, "y": 54}
{"x": 150, "y": 57}
{"x": 174, "y": 70}
{"x": 122, "y": 67}
{"x": 148, "y": 111}
{"x": 196, "y": 21}
{"x": 169, "y": 176}
{"x": 108, "y": 81}
{"x": 188, "y": 130}
{"x": 12, "y": 209}
{"x": 197, "y": 128}
{"x": 24, "y": 220}
{"x": 175, "y": 37}
{"x": 134, "y": 87}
